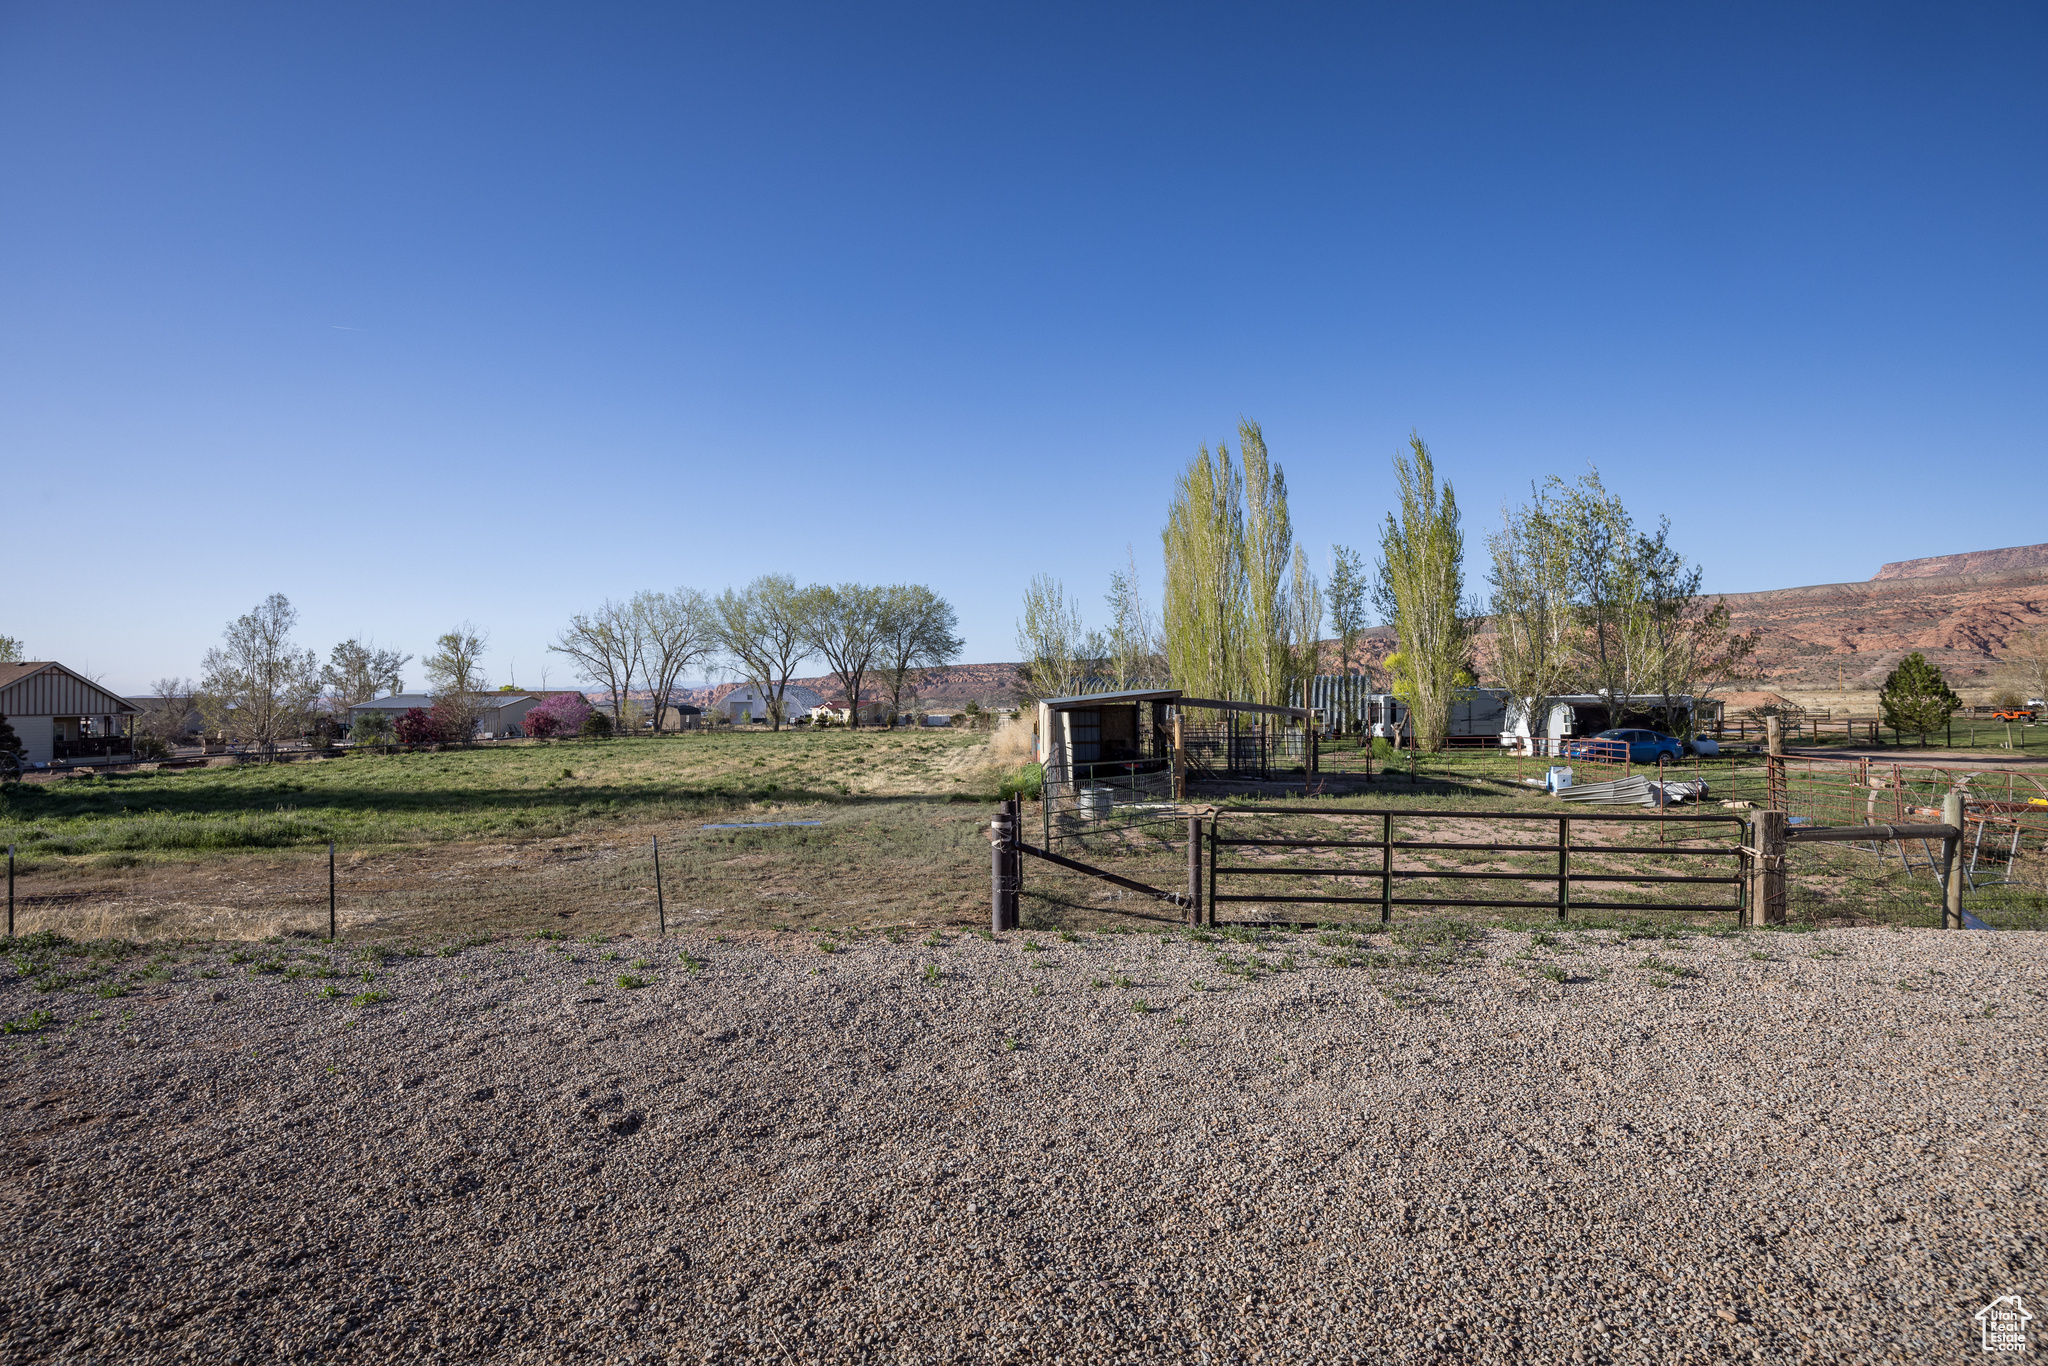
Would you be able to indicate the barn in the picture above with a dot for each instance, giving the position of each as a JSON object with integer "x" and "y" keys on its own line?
{"x": 64, "y": 717}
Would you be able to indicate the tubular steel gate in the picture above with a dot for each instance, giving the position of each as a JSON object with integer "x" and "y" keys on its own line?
{"x": 1596, "y": 861}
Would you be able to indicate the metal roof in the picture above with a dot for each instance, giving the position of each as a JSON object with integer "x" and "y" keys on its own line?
{"x": 1096, "y": 699}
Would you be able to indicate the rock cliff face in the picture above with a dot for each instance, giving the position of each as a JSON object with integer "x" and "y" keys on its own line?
{"x": 1858, "y": 631}
{"x": 1971, "y": 562}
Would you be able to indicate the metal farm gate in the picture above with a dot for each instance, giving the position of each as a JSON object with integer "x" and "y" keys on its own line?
{"x": 1467, "y": 872}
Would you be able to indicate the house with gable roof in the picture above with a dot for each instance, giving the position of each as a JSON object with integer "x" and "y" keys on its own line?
{"x": 65, "y": 717}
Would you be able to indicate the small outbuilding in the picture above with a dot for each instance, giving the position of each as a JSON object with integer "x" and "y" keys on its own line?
{"x": 63, "y": 717}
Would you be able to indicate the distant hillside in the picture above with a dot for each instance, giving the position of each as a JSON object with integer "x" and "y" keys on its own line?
{"x": 1970, "y": 562}
{"x": 1859, "y": 631}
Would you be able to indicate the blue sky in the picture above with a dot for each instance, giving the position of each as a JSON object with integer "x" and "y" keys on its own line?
{"x": 424, "y": 313}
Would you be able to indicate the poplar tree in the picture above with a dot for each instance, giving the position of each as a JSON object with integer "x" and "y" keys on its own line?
{"x": 1269, "y": 664}
{"x": 1205, "y": 591}
{"x": 1421, "y": 590}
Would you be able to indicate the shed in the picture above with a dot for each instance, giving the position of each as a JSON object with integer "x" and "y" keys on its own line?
{"x": 61, "y": 716}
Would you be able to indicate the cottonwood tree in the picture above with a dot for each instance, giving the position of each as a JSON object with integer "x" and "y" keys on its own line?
{"x": 1130, "y": 647}
{"x": 169, "y": 709}
{"x": 675, "y": 629}
{"x": 1421, "y": 589}
{"x": 920, "y": 634}
{"x": 1536, "y": 642}
{"x": 257, "y": 686}
{"x": 1682, "y": 643}
{"x": 606, "y": 646}
{"x": 846, "y": 625}
{"x": 1915, "y": 697}
{"x": 1051, "y": 639}
{"x": 12, "y": 651}
{"x": 455, "y": 679}
{"x": 356, "y": 672}
{"x": 762, "y": 630}
{"x": 1203, "y": 540}
{"x": 1346, "y": 596}
{"x": 2024, "y": 670}
{"x": 1304, "y": 635}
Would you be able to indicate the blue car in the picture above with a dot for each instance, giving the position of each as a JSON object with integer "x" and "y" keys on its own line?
{"x": 1643, "y": 745}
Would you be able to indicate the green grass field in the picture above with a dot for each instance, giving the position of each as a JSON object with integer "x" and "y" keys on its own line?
{"x": 522, "y": 791}
{"x": 561, "y": 836}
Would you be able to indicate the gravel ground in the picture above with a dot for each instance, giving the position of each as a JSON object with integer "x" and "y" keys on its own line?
{"x": 1771, "y": 1146}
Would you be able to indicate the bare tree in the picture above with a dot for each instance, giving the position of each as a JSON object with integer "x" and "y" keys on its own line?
{"x": 2024, "y": 669}
{"x": 921, "y": 633}
{"x": 168, "y": 716}
{"x": 1051, "y": 639}
{"x": 455, "y": 677}
{"x": 762, "y": 628}
{"x": 675, "y": 630}
{"x": 606, "y": 647}
{"x": 257, "y": 686}
{"x": 1131, "y": 645}
{"x": 847, "y": 625}
{"x": 357, "y": 672}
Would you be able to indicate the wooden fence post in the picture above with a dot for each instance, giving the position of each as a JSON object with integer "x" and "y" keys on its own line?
{"x": 10, "y": 891}
{"x": 1951, "y": 861}
{"x": 1194, "y": 870}
{"x": 1180, "y": 757}
{"x": 1765, "y": 904}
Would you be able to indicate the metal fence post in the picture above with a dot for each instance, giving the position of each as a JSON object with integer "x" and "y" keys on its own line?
{"x": 1194, "y": 870}
{"x": 1016, "y": 883}
{"x": 1386, "y": 867}
{"x": 1951, "y": 865}
{"x": 1215, "y": 834}
{"x": 330, "y": 892}
{"x": 1564, "y": 868}
{"x": 660, "y": 904}
{"x": 10, "y": 891}
{"x": 1001, "y": 836}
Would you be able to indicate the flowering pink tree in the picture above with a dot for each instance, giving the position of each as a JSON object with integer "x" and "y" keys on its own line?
{"x": 562, "y": 715}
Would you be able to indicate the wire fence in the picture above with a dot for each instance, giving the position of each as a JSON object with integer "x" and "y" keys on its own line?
{"x": 869, "y": 868}
{"x": 883, "y": 863}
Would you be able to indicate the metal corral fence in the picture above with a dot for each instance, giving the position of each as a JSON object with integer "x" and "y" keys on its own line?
{"x": 1108, "y": 796}
{"x": 2003, "y": 856}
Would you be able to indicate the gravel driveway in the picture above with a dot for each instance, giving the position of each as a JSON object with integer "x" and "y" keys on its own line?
{"x": 1777, "y": 1146}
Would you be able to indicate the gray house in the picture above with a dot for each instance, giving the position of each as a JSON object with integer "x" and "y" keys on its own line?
{"x": 500, "y": 714}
